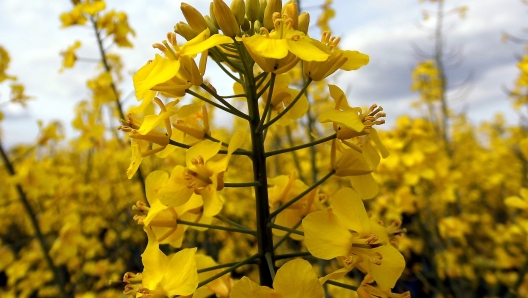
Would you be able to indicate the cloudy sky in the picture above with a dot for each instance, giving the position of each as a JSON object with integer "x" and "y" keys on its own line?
{"x": 386, "y": 30}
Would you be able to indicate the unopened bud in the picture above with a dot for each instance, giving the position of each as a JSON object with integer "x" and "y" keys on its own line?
{"x": 225, "y": 18}
{"x": 194, "y": 18}
{"x": 238, "y": 7}
{"x": 263, "y": 4}
{"x": 292, "y": 11}
{"x": 185, "y": 30}
{"x": 272, "y": 7}
{"x": 304, "y": 22}
{"x": 212, "y": 14}
{"x": 245, "y": 26}
{"x": 212, "y": 28}
{"x": 252, "y": 10}
{"x": 256, "y": 26}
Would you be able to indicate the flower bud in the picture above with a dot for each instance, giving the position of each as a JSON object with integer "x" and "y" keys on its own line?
{"x": 304, "y": 22}
{"x": 213, "y": 17}
{"x": 185, "y": 30}
{"x": 194, "y": 18}
{"x": 212, "y": 28}
{"x": 263, "y": 4}
{"x": 252, "y": 10}
{"x": 225, "y": 18}
{"x": 246, "y": 25}
{"x": 292, "y": 11}
{"x": 238, "y": 7}
{"x": 256, "y": 26}
{"x": 272, "y": 7}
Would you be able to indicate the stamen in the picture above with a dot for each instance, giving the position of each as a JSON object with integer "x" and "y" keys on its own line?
{"x": 170, "y": 52}
{"x": 265, "y": 31}
{"x": 160, "y": 47}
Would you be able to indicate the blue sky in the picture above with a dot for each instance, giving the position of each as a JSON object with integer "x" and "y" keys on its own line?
{"x": 383, "y": 29}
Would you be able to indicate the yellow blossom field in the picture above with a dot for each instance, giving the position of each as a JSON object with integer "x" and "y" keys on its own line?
{"x": 281, "y": 187}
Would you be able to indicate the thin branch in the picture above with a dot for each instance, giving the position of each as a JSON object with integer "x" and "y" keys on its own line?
{"x": 230, "y": 269}
{"x": 195, "y": 224}
{"x": 289, "y": 203}
{"x": 280, "y": 151}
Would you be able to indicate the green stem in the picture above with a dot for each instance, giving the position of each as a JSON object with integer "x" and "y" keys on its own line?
{"x": 325, "y": 139}
{"x": 234, "y": 96}
{"x": 230, "y": 222}
{"x": 227, "y": 72}
{"x": 242, "y": 184}
{"x": 228, "y": 61}
{"x": 268, "y": 103}
{"x": 292, "y": 231}
{"x": 290, "y": 105}
{"x": 341, "y": 285}
{"x": 195, "y": 224}
{"x": 216, "y": 267}
{"x": 260, "y": 78}
{"x": 293, "y": 255}
{"x": 296, "y": 160}
{"x": 264, "y": 234}
{"x": 230, "y": 269}
{"x": 221, "y": 107}
{"x": 221, "y": 99}
{"x": 33, "y": 220}
{"x": 259, "y": 94}
{"x": 236, "y": 152}
{"x": 289, "y": 203}
{"x": 284, "y": 237}
{"x": 271, "y": 266}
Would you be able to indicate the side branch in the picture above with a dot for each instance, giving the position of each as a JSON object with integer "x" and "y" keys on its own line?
{"x": 221, "y": 107}
{"x": 325, "y": 139}
{"x": 195, "y": 224}
{"x": 230, "y": 269}
{"x": 292, "y": 201}
{"x": 303, "y": 90}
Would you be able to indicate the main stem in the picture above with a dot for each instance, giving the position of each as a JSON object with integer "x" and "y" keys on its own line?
{"x": 264, "y": 235}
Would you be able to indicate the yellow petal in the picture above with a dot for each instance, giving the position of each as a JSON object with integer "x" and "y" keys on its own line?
{"x": 266, "y": 47}
{"x": 154, "y": 262}
{"x": 181, "y": 276}
{"x": 297, "y": 279}
{"x": 355, "y": 60}
{"x": 213, "y": 203}
{"x": 206, "y": 149}
{"x": 245, "y": 288}
{"x": 349, "y": 207}
{"x": 348, "y": 118}
{"x": 391, "y": 267}
{"x": 373, "y": 135}
{"x": 175, "y": 191}
{"x": 305, "y": 50}
{"x": 200, "y": 44}
{"x": 325, "y": 235}
{"x": 153, "y": 183}
{"x": 365, "y": 185}
{"x": 338, "y": 274}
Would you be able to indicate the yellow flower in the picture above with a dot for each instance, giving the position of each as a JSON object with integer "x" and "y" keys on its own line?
{"x": 167, "y": 275}
{"x": 69, "y": 56}
{"x": 202, "y": 176}
{"x": 295, "y": 279}
{"x": 221, "y": 287}
{"x": 147, "y": 133}
{"x": 345, "y": 230}
{"x": 339, "y": 59}
{"x": 161, "y": 219}
{"x": 284, "y": 189}
{"x": 281, "y": 49}
{"x": 163, "y": 69}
